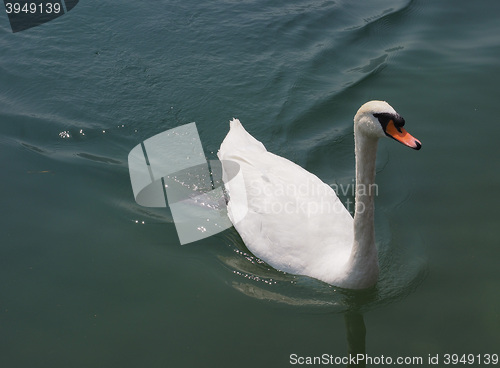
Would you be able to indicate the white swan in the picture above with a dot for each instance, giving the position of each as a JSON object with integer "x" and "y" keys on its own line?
{"x": 294, "y": 221}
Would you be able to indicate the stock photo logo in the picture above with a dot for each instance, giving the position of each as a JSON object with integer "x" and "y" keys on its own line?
{"x": 170, "y": 169}
{"x": 26, "y": 14}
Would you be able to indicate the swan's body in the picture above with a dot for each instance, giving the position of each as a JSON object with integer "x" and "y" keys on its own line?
{"x": 294, "y": 221}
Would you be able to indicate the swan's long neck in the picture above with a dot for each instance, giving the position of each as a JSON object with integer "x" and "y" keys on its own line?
{"x": 363, "y": 260}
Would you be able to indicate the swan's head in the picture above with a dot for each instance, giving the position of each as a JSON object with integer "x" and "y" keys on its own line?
{"x": 378, "y": 119}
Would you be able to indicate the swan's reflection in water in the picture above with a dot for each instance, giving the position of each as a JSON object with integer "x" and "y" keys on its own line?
{"x": 256, "y": 279}
{"x": 356, "y": 336}
{"x": 353, "y": 317}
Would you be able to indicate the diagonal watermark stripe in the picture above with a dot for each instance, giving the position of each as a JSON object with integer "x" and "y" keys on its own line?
{"x": 170, "y": 169}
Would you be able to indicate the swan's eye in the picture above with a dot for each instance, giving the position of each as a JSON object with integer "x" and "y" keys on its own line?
{"x": 384, "y": 118}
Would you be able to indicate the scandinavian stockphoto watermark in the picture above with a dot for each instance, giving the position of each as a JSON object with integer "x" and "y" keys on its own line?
{"x": 306, "y": 197}
{"x": 353, "y": 360}
{"x": 448, "y": 359}
{"x": 25, "y": 14}
{"x": 170, "y": 169}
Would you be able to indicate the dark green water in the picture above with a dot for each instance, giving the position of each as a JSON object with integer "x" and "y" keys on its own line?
{"x": 83, "y": 285}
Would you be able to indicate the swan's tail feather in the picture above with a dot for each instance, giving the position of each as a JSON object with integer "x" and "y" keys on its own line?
{"x": 238, "y": 140}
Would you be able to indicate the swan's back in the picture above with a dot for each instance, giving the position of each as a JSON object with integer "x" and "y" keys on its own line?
{"x": 295, "y": 222}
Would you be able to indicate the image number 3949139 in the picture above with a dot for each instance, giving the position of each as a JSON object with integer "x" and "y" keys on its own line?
{"x": 26, "y": 14}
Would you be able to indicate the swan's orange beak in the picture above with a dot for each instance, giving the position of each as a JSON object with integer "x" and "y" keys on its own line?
{"x": 401, "y": 135}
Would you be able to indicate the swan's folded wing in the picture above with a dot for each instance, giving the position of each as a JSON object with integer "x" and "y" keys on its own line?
{"x": 294, "y": 222}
